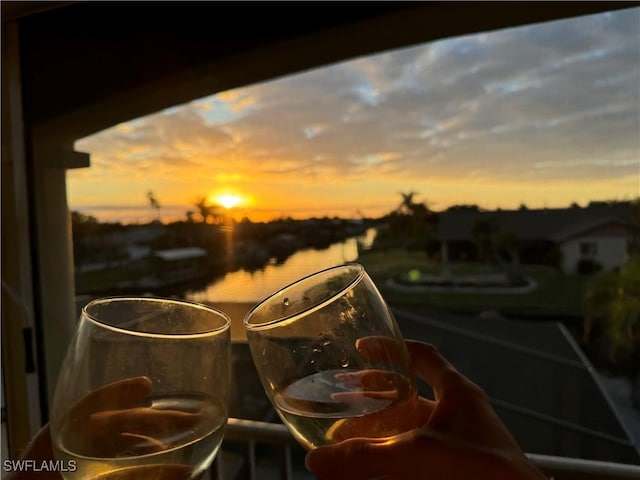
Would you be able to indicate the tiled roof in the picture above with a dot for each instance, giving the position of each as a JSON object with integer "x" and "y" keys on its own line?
{"x": 538, "y": 380}
{"x": 543, "y": 224}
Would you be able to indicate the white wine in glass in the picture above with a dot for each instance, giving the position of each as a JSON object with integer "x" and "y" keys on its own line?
{"x": 332, "y": 359}
{"x": 143, "y": 391}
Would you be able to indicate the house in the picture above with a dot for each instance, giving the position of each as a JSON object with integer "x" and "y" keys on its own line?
{"x": 575, "y": 239}
{"x": 600, "y": 243}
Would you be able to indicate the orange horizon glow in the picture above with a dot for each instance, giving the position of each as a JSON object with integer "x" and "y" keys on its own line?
{"x": 367, "y": 199}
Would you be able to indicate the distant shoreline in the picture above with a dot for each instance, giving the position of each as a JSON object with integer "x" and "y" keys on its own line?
{"x": 144, "y": 214}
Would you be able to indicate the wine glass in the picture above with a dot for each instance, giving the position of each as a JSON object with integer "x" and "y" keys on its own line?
{"x": 332, "y": 359}
{"x": 143, "y": 391}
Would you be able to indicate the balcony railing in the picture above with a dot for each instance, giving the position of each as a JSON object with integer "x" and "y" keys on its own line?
{"x": 244, "y": 462}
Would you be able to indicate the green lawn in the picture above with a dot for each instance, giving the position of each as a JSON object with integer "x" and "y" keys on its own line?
{"x": 555, "y": 294}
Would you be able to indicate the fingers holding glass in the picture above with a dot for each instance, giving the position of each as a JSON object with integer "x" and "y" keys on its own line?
{"x": 458, "y": 436}
{"x": 331, "y": 357}
{"x": 118, "y": 420}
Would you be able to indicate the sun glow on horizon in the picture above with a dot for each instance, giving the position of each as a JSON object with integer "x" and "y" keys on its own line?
{"x": 228, "y": 200}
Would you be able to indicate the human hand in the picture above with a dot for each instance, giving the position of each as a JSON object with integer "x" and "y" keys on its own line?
{"x": 118, "y": 419}
{"x": 109, "y": 421}
{"x": 39, "y": 449}
{"x": 460, "y": 437}
{"x": 406, "y": 411}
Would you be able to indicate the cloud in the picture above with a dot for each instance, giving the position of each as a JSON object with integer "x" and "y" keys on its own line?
{"x": 538, "y": 103}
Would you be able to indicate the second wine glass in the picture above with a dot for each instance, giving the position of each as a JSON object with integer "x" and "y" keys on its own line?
{"x": 332, "y": 359}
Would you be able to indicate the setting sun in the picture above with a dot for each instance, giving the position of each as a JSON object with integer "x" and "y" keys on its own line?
{"x": 228, "y": 200}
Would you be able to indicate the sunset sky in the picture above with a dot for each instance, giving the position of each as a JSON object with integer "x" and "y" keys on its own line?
{"x": 542, "y": 115}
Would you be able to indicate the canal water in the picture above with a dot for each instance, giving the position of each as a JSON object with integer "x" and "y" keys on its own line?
{"x": 250, "y": 287}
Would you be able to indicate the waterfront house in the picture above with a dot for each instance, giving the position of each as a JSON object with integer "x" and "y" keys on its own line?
{"x": 573, "y": 239}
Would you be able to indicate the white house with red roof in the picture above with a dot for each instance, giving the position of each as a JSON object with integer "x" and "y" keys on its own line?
{"x": 603, "y": 241}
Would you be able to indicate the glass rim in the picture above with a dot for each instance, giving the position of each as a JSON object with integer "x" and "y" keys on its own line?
{"x": 361, "y": 272}
{"x": 226, "y": 325}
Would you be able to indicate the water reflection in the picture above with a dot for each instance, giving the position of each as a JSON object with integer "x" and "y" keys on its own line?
{"x": 244, "y": 286}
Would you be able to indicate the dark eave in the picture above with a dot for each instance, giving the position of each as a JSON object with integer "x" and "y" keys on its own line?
{"x": 90, "y": 65}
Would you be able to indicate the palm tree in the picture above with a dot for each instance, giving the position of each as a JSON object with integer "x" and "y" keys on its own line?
{"x": 407, "y": 205}
{"x": 204, "y": 208}
{"x": 208, "y": 212}
{"x": 483, "y": 233}
{"x": 153, "y": 201}
{"x": 411, "y": 224}
{"x": 508, "y": 244}
{"x": 612, "y": 309}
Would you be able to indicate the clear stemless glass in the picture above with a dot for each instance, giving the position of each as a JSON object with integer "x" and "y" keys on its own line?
{"x": 143, "y": 391}
{"x": 332, "y": 359}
